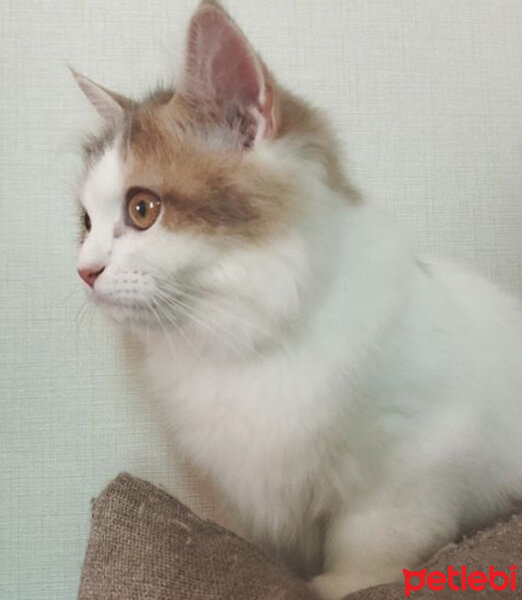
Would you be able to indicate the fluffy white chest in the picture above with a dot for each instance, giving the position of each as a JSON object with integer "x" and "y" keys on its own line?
{"x": 262, "y": 430}
{"x": 245, "y": 415}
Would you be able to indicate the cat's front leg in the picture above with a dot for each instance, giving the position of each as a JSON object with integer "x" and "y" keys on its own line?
{"x": 373, "y": 546}
{"x": 335, "y": 586}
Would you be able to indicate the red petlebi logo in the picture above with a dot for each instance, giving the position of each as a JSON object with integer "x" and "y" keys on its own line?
{"x": 477, "y": 581}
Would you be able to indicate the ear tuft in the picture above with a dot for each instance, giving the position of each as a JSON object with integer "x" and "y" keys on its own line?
{"x": 224, "y": 72}
{"x": 110, "y": 105}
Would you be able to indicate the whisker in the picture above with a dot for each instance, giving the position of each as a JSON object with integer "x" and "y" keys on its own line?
{"x": 220, "y": 309}
{"x": 187, "y": 311}
{"x": 185, "y": 290}
{"x": 167, "y": 337}
{"x": 178, "y": 328}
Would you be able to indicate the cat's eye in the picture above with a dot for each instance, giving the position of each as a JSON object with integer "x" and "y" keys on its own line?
{"x": 87, "y": 221}
{"x": 143, "y": 209}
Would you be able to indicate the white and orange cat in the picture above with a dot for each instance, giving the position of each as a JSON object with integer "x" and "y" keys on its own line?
{"x": 356, "y": 406}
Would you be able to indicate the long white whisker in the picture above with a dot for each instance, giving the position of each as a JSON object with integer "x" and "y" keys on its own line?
{"x": 157, "y": 316}
{"x": 173, "y": 322}
{"x": 187, "y": 311}
{"x": 186, "y": 291}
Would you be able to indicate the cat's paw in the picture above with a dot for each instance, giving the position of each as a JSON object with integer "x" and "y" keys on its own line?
{"x": 332, "y": 586}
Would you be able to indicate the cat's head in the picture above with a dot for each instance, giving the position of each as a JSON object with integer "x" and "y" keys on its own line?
{"x": 202, "y": 205}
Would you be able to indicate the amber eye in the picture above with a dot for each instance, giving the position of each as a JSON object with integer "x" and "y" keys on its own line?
{"x": 143, "y": 209}
{"x": 86, "y": 221}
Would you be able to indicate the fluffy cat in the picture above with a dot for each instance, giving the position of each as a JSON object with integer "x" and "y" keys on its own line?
{"x": 357, "y": 407}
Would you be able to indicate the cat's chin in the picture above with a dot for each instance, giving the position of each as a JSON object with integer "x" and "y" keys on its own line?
{"x": 124, "y": 313}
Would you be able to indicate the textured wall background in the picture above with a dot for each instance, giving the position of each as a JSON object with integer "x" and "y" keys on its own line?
{"x": 427, "y": 97}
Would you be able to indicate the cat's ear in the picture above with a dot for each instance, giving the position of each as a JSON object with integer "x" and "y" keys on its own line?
{"x": 110, "y": 105}
{"x": 222, "y": 70}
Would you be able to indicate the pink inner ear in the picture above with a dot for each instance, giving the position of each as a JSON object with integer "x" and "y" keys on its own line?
{"x": 223, "y": 68}
{"x": 234, "y": 71}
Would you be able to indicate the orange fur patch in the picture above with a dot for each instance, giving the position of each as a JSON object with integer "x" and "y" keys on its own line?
{"x": 295, "y": 117}
{"x": 214, "y": 191}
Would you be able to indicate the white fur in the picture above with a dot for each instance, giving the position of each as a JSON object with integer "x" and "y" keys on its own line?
{"x": 346, "y": 398}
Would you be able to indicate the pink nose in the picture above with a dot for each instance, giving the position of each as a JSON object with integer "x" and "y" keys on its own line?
{"x": 90, "y": 275}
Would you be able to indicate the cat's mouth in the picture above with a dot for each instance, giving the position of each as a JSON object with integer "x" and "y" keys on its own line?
{"x": 129, "y": 291}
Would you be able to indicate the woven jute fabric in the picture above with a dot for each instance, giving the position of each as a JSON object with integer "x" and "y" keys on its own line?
{"x": 145, "y": 545}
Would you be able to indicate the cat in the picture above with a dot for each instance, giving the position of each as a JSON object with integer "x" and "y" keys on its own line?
{"x": 357, "y": 407}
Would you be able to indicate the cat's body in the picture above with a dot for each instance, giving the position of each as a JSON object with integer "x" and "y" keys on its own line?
{"x": 394, "y": 402}
{"x": 356, "y": 406}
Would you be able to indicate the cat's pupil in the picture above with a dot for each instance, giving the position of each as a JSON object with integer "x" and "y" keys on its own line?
{"x": 141, "y": 208}
{"x": 87, "y": 221}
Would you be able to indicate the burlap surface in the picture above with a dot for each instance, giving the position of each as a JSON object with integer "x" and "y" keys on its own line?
{"x": 145, "y": 545}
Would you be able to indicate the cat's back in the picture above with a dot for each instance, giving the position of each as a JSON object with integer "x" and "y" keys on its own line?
{"x": 461, "y": 342}
{"x": 482, "y": 309}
